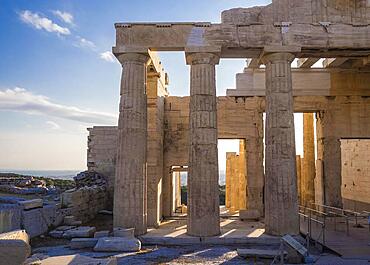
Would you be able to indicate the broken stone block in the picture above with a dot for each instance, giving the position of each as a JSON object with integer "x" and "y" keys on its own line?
{"x": 76, "y": 223}
{"x": 79, "y": 243}
{"x": 56, "y": 234}
{"x": 76, "y": 260}
{"x": 68, "y": 220}
{"x": 117, "y": 244}
{"x": 99, "y": 234}
{"x": 82, "y": 231}
{"x": 14, "y": 247}
{"x": 31, "y": 204}
{"x": 249, "y": 215}
{"x": 34, "y": 222}
{"x": 10, "y": 217}
{"x": 123, "y": 232}
{"x": 65, "y": 227}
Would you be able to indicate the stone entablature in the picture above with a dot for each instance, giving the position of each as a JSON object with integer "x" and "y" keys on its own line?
{"x": 306, "y": 82}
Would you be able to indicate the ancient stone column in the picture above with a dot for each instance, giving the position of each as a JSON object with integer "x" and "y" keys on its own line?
{"x": 281, "y": 208}
{"x": 228, "y": 176}
{"x": 235, "y": 187}
{"x": 254, "y": 167}
{"x": 242, "y": 176}
{"x": 308, "y": 171}
{"x": 203, "y": 190}
{"x": 130, "y": 193}
{"x": 299, "y": 178}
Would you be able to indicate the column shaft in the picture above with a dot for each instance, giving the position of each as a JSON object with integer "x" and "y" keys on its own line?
{"x": 281, "y": 213}
{"x": 299, "y": 178}
{"x": 130, "y": 183}
{"x": 203, "y": 189}
{"x": 242, "y": 176}
{"x": 228, "y": 176}
{"x": 308, "y": 171}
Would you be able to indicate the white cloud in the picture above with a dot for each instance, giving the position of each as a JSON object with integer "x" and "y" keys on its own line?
{"x": 84, "y": 43}
{"x": 21, "y": 100}
{"x": 42, "y": 23}
{"x": 53, "y": 125}
{"x": 64, "y": 16}
{"x": 107, "y": 56}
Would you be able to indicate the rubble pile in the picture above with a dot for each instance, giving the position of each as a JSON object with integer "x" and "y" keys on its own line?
{"x": 22, "y": 185}
{"x": 89, "y": 179}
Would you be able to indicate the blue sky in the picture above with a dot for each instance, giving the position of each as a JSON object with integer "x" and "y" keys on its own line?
{"x": 57, "y": 77}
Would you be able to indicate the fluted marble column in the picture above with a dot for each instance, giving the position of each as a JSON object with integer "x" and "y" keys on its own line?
{"x": 203, "y": 191}
{"x": 281, "y": 208}
{"x": 309, "y": 171}
{"x": 130, "y": 208}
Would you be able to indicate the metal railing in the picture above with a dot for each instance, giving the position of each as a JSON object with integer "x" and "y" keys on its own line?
{"x": 313, "y": 216}
{"x": 348, "y": 215}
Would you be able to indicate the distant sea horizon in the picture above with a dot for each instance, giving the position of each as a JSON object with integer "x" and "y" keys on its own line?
{"x": 69, "y": 174}
{"x": 55, "y": 174}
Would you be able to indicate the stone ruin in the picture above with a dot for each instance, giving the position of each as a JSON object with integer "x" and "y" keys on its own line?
{"x": 157, "y": 132}
{"x": 22, "y": 185}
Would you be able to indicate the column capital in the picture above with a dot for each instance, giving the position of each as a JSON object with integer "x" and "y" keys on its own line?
{"x": 279, "y": 53}
{"x": 202, "y": 55}
{"x": 278, "y": 57}
{"x": 202, "y": 58}
{"x": 133, "y": 56}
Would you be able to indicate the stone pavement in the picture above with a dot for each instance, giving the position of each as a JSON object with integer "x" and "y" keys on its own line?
{"x": 187, "y": 255}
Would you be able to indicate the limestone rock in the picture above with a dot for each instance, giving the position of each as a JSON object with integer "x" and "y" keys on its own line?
{"x": 79, "y": 243}
{"x": 56, "y": 234}
{"x": 14, "y": 247}
{"x": 31, "y": 204}
{"x": 65, "y": 227}
{"x": 83, "y": 231}
{"x": 117, "y": 244}
{"x": 100, "y": 234}
{"x": 123, "y": 232}
{"x": 68, "y": 220}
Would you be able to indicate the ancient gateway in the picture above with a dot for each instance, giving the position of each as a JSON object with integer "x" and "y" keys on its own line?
{"x": 159, "y": 135}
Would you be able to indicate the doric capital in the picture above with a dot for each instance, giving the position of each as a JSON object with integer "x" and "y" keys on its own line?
{"x": 273, "y": 54}
{"x": 133, "y": 57}
{"x": 202, "y": 55}
{"x": 202, "y": 58}
{"x": 278, "y": 57}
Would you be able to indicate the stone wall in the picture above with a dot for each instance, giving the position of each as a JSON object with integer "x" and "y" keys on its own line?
{"x": 84, "y": 203}
{"x": 101, "y": 154}
{"x": 302, "y": 11}
{"x": 343, "y": 117}
{"x": 36, "y": 221}
{"x": 355, "y": 154}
